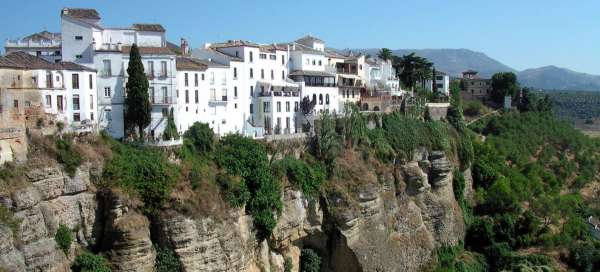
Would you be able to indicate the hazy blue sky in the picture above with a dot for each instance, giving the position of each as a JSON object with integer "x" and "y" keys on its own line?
{"x": 519, "y": 33}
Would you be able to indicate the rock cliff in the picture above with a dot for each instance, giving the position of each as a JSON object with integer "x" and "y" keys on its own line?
{"x": 391, "y": 221}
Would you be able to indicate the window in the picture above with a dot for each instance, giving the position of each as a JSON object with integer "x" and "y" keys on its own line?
{"x": 106, "y": 91}
{"x": 267, "y": 106}
{"x": 352, "y": 93}
{"x": 287, "y": 125}
{"x": 187, "y": 96}
{"x": 91, "y": 102}
{"x": 185, "y": 79}
{"x": 78, "y": 38}
{"x": 75, "y": 102}
{"x": 152, "y": 95}
{"x": 314, "y": 62}
{"x": 287, "y": 106}
{"x": 78, "y": 56}
{"x": 282, "y": 59}
{"x": 108, "y": 114}
{"x": 234, "y": 72}
{"x": 106, "y": 68}
{"x": 92, "y": 116}
{"x": 223, "y": 94}
{"x": 163, "y": 69}
{"x": 278, "y": 131}
{"x": 91, "y": 80}
{"x": 262, "y": 56}
{"x": 360, "y": 67}
{"x": 59, "y": 103}
{"x": 296, "y": 106}
{"x": 272, "y": 57}
{"x": 283, "y": 75}
{"x": 213, "y": 94}
{"x": 151, "y": 68}
{"x": 251, "y": 73}
{"x": 278, "y": 106}
{"x": 314, "y": 98}
{"x": 237, "y": 54}
{"x": 320, "y": 63}
{"x": 16, "y": 104}
{"x": 320, "y": 99}
{"x": 327, "y": 99}
{"x": 251, "y": 57}
{"x": 235, "y": 92}
{"x": 196, "y": 98}
{"x": 75, "y": 81}
{"x": 262, "y": 73}
{"x": 307, "y": 61}
{"x": 76, "y": 117}
{"x": 272, "y": 74}
{"x": 235, "y": 106}
{"x": 165, "y": 112}
{"x": 202, "y": 77}
{"x": 251, "y": 108}
{"x": 251, "y": 90}
{"x": 196, "y": 79}
{"x": 48, "y": 101}
{"x": 224, "y": 78}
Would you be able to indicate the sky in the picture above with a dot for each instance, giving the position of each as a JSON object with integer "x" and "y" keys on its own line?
{"x": 519, "y": 33}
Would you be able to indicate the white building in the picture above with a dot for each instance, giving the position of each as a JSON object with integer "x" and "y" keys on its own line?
{"x": 85, "y": 41}
{"x": 46, "y": 45}
{"x": 441, "y": 83}
{"x": 381, "y": 76}
{"x": 204, "y": 94}
{"x": 66, "y": 91}
{"x": 308, "y": 67}
{"x": 351, "y": 72}
{"x": 256, "y": 70}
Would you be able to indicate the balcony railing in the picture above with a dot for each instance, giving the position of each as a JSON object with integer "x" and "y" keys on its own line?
{"x": 161, "y": 100}
{"x": 218, "y": 100}
{"x": 319, "y": 84}
{"x": 279, "y": 93}
{"x": 21, "y": 43}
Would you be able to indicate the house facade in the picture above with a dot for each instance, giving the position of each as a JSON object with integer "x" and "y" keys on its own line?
{"x": 474, "y": 87}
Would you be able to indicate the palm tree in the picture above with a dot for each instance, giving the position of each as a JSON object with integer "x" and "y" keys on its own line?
{"x": 412, "y": 69}
{"x": 385, "y": 54}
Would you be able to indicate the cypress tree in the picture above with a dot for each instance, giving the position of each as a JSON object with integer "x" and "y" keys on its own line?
{"x": 137, "y": 103}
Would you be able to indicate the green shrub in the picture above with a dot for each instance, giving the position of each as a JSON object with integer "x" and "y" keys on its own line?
{"x": 406, "y": 134}
{"x": 473, "y": 108}
{"x": 287, "y": 264}
{"x": 201, "y": 137}
{"x": 170, "y": 131}
{"x": 310, "y": 261}
{"x": 244, "y": 157}
{"x": 235, "y": 190}
{"x": 63, "y": 238}
{"x": 458, "y": 186}
{"x": 67, "y": 156}
{"x": 303, "y": 176}
{"x": 166, "y": 261}
{"x": 7, "y": 219}
{"x": 89, "y": 262}
{"x": 146, "y": 172}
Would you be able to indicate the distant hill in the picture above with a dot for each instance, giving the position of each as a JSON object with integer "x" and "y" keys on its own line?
{"x": 455, "y": 61}
{"x": 556, "y": 78}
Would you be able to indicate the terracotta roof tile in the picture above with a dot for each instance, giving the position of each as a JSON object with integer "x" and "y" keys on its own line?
{"x": 146, "y": 50}
{"x": 22, "y": 60}
{"x": 149, "y": 27}
{"x": 80, "y": 13}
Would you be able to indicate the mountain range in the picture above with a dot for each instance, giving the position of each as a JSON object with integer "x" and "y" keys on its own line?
{"x": 455, "y": 61}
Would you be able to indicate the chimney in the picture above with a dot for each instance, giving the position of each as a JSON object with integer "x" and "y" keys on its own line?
{"x": 184, "y": 47}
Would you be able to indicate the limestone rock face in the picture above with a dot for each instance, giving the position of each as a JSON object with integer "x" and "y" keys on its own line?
{"x": 49, "y": 198}
{"x": 203, "y": 244}
{"x": 127, "y": 237}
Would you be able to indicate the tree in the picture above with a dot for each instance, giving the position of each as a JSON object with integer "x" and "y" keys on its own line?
{"x": 89, "y": 262}
{"x": 434, "y": 88}
{"x": 310, "y": 261}
{"x": 503, "y": 84}
{"x": 385, "y": 54}
{"x": 412, "y": 69}
{"x": 201, "y": 136}
{"x": 170, "y": 131}
{"x": 137, "y": 103}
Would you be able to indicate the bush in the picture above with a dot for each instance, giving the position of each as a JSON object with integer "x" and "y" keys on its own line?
{"x": 89, "y": 262}
{"x": 473, "y": 108}
{"x": 166, "y": 261}
{"x": 170, "y": 131}
{"x": 287, "y": 264}
{"x": 310, "y": 261}
{"x": 303, "y": 176}
{"x": 201, "y": 136}
{"x": 66, "y": 155}
{"x": 7, "y": 219}
{"x": 235, "y": 191}
{"x": 144, "y": 171}
{"x": 458, "y": 186}
{"x": 244, "y": 157}
{"x": 63, "y": 238}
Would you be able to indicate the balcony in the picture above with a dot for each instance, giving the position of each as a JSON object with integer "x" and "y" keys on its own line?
{"x": 30, "y": 43}
{"x": 319, "y": 84}
{"x": 161, "y": 100}
{"x": 218, "y": 100}
{"x": 279, "y": 94}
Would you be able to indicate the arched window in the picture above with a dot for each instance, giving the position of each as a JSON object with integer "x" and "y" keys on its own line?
{"x": 320, "y": 99}
{"x": 376, "y": 108}
{"x": 314, "y": 98}
{"x": 365, "y": 107}
{"x": 352, "y": 93}
{"x": 327, "y": 99}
